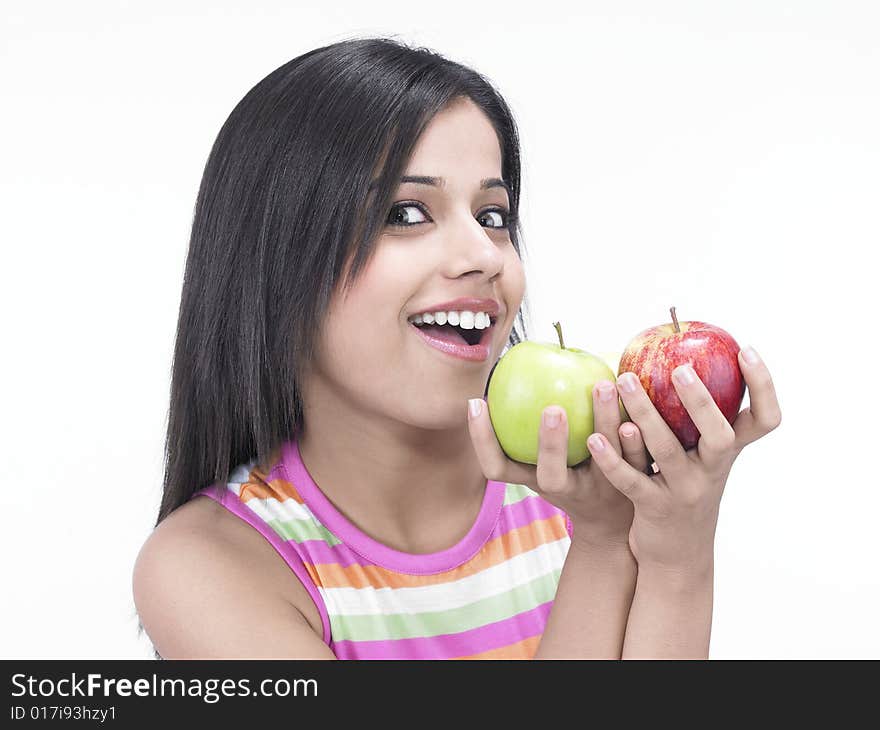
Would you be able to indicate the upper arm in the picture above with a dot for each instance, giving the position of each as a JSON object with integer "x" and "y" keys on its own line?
{"x": 199, "y": 598}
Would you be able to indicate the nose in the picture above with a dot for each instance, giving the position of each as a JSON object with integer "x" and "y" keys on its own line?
{"x": 475, "y": 247}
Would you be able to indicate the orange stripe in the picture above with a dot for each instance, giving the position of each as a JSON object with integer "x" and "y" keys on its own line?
{"x": 524, "y": 649}
{"x": 258, "y": 488}
{"x": 512, "y": 543}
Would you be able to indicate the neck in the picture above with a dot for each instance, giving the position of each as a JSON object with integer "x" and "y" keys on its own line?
{"x": 413, "y": 489}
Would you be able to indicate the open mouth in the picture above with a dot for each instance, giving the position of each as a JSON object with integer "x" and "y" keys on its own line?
{"x": 456, "y": 334}
{"x": 453, "y": 333}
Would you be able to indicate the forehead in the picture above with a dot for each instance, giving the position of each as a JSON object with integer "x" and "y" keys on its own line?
{"x": 458, "y": 143}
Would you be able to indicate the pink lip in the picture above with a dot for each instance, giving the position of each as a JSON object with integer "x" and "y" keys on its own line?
{"x": 470, "y": 304}
{"x": 474, "y": 353}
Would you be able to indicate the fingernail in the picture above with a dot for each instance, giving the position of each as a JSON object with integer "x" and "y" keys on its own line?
{"x": 606, "y": 392}
{"x": 750, "y": 356}
{"x": 551, "y": 418}
{"x": 627, "y": 382}
{"x": 684, "y": 375}
{"x": 475, "y": 407}
{"x": 595, "y": 443}
{"x": 628, "y": 431}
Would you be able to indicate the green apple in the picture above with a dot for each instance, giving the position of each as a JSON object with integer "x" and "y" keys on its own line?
{"x": 533, "y": 375}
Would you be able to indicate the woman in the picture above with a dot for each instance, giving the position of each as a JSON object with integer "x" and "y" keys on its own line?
{"x": 354, "y": 273}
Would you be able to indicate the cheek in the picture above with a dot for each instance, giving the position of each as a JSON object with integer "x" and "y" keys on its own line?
{"x": 352, "y": 339}
{"x": 358, "y": 351}
{"x": 514, "y": 282}
{"x": 375, "y": 369}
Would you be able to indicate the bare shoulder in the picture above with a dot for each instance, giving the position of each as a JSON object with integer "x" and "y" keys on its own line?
{"x": 208, "y": 585}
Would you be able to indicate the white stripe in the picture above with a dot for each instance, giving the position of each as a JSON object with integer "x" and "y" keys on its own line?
{"x": 442, "y": 597}
{"x": 240, "y": 474}
{"x": 271, "y": 508}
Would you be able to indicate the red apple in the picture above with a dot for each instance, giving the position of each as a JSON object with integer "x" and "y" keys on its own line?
{"x": 655, "y": 352}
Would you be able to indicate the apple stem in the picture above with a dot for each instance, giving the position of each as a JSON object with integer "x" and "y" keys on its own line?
{"x": 559, "y": 334}
{"x": 675, "y": 320}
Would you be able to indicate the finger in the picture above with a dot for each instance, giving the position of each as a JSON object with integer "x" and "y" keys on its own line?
{"x": 626, "y": 479}
{"x": 552, "y": 468}
{"x": 716, "y": 433}
{"x": 763, "y": 414}
{"x": 634, "y": 451}
{"x": 493, "y": 461}
{"x": 606, "y": 412}
{"x": 664, "y": 446}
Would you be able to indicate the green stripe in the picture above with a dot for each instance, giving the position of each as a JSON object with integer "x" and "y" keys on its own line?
{"x": 363, "y": 627}
{"x": 300, "y": 530}
{"x": 516, "y": 492}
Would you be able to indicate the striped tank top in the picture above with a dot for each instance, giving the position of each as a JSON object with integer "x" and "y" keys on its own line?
{"x": 486, "y": 597}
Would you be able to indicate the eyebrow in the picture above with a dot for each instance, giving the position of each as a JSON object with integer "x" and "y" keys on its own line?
{"x": 485, "y": 183}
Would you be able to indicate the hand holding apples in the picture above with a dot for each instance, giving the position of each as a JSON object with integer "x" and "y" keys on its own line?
{"x": 676, "y": 510}
{"x": 531, "y": 384}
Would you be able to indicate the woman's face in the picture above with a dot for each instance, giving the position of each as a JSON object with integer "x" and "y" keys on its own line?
{"x": 454, "y": 242}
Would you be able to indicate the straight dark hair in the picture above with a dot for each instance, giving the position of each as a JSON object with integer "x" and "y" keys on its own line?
{"x": 286, "y": 203}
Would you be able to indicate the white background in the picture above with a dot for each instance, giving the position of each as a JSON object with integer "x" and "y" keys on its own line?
{"x": 721, "y": 157}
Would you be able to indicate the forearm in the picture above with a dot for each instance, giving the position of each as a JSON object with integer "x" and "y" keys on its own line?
{"x": 593, "y": 597}
{"x": 671, "y": 615}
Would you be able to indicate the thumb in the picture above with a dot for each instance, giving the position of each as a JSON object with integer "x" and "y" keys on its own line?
{"x": 627, "y": 480}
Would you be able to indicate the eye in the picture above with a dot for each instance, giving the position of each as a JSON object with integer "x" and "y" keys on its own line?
{"x": 397, "y": 212}
{"x": 503, "y": 216}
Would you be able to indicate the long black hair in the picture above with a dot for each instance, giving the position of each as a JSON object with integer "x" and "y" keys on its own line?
{"x": 286, "y": 203}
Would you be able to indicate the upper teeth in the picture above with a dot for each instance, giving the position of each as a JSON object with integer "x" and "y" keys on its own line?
{"x": 466, "y": 320}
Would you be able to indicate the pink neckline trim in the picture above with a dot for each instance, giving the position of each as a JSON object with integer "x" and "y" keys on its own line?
{"x": 296, "y": 472}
